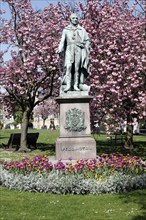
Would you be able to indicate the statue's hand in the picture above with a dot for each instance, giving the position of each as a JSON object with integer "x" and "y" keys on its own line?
{"x": 81, "y": 45}
{"x": 57, "y": 51}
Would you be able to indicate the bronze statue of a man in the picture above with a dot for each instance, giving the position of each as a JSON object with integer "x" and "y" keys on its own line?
{"x": 75, "y": 45}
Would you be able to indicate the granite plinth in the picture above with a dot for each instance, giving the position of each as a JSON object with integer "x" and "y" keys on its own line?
{"x": 75, "y": 148}
{"x": 75, "y": 139}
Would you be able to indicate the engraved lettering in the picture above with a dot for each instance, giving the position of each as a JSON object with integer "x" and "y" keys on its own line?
{"x": 76, "y": 148}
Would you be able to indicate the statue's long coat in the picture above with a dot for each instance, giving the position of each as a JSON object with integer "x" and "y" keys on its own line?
{"x": 71, "y": 41}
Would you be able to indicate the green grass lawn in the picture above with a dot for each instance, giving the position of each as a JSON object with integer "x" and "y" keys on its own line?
{"x": 47, "y": 139}
{"x": 104, "y": 146}
{"x": 34, "y": 206}
{"x": 45, "y": 144}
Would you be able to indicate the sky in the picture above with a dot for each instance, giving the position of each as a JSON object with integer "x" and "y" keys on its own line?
{"x": 37, "y": 4}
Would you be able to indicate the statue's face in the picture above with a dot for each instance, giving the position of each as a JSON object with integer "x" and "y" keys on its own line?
{"x": 74, "y": 19}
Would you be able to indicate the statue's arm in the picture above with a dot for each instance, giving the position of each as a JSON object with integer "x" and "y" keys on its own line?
{"x": 87, "y": 41}
{"x": 62, "y": 43}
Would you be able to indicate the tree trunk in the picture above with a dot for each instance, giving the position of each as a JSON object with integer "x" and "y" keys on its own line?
{"x": 23, "y": 141}
{"x": 129, "y": 134}
{"x": 44, "y": 123}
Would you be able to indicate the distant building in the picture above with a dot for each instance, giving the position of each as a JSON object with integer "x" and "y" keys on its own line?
{"x": 7, "y": 122}
{"x": 136, "y": 126}
{"x": 38, "y": 122}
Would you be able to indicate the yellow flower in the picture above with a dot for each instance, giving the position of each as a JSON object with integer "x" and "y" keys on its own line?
{"x": 113, "y": 171}
{"x": 115, "y": 157}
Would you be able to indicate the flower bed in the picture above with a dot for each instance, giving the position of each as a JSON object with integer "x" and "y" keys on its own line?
{"x": 108, "y": 174}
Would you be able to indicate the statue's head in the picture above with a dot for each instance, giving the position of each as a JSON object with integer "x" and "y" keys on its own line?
{"x": 74, "y": 19}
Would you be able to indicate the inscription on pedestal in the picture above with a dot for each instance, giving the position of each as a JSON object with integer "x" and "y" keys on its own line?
{"x": 77, "y": 148}
{"x": 75, "y": 120}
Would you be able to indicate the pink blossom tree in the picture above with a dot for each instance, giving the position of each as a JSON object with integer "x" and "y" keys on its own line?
{"x": 30, "y": 76}
{"x": 118, "y": 77}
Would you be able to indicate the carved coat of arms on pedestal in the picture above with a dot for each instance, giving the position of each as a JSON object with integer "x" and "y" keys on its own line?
{"x": 75, "y": 120}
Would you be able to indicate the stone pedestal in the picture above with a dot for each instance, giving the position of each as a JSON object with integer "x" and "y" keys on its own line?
{"x": 75, "y": 139}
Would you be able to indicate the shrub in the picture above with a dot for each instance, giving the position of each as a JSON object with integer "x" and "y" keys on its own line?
{"x": 73, "y": 184}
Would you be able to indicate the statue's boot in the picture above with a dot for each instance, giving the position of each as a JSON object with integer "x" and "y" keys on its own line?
{"x": 68, "y": 84}
{"x": 76, "y": 88}
{"x": 76, "y": 83}
{"x": 67, "y": 88}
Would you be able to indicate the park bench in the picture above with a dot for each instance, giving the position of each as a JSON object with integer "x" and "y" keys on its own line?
{"x": 142, "y": 131}
{"x": 14, "y": 140}
{"x": 118, "y": 138}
